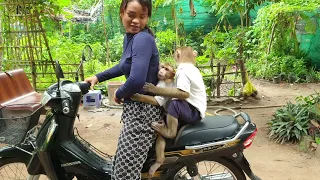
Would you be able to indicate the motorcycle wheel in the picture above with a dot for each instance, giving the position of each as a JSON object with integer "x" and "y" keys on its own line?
{"x": 11, "y": 169}
{"x": 220, "y": 169}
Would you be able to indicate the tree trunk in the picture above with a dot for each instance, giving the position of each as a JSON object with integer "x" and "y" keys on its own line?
{"x": 106, "y": 35}
{"x": 193, "y": 12}
{"x": 175, "y": 22}
{"x": 70, "y": 29}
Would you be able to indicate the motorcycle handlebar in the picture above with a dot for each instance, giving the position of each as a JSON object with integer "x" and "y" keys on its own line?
{"x": 84, "y": 87}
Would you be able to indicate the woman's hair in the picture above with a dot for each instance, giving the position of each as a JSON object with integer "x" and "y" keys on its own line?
{"x": 144, "y": 3}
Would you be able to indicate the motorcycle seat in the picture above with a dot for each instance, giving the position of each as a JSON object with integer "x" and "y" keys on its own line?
{"x": 209, "y": 129}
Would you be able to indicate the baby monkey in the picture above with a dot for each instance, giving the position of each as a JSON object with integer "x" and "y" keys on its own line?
{"x": 189, "y": 101}
{"x": 166, "y": 79}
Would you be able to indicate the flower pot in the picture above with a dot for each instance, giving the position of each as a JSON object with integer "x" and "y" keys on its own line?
{"x": 303, "y": 76}
{"x": 283, "y": 77}
{"x": 291, "y": 79}
{"x": 310, "y": 79}
{"x": 112, "y": 86}
{"x": 276, "y": 79}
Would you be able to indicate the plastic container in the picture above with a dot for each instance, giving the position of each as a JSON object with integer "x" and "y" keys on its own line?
{"x": 92, "y": 98}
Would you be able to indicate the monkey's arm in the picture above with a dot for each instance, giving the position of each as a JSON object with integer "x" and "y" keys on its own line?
{"x": 145, "y": 99}
{"x": 171, "y": 92}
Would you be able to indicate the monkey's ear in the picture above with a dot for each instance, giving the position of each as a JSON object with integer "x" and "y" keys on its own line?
{"x": 195, "y": 53}
{"x": 178, "y": 53}
{"x": 173, "y": 74}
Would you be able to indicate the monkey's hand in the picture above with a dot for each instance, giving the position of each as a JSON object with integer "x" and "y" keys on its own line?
{"x": 136, "y": 97}
{"x": 171, "y": 92}
{"x": 144, "y": 99}
{"x": 149, "y": 87}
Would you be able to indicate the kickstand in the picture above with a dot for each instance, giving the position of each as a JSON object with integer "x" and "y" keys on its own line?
{"x": 78, "y": 116}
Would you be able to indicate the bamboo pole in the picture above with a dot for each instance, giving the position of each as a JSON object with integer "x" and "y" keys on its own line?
{"x": 14, "y": 43}
{"x": 31, "y": 53}
{"x": 36, "y": 44}
{"x": 9, "y": 35}
{"x": 45, "y": 39}
{"x": 1, "y": 44}
{"x": 272, "y": 37}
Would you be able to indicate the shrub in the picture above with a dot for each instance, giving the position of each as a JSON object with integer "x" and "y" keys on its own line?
{"x": 290, "y": 123}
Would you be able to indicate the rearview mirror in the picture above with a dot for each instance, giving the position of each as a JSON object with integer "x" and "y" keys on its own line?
{"x": 86, "y": 53}
{"x": 58, "y": 70}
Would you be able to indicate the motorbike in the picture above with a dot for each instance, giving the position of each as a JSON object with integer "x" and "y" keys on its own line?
{"x": 210, "y": 150}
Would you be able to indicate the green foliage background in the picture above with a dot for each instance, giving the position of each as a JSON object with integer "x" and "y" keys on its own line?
{"x": 266, "y": 34}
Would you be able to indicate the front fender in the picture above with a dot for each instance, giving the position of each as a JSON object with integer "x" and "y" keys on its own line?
{"x": 20, "y": 153}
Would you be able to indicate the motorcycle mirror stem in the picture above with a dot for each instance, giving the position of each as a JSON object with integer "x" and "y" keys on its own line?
{"x": 86, "y": 54}
{"x": 59, "y": 74}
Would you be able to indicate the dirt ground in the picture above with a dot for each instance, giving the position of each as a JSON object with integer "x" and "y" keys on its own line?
{"x": 269, "y": 160}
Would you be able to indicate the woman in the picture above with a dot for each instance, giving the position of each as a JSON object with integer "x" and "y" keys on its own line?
{"x": 139, "y": 63}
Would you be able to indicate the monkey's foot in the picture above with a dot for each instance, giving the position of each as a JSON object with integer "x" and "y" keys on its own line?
{"x": 162, "y": 129}
{"x": 154, "y": 168}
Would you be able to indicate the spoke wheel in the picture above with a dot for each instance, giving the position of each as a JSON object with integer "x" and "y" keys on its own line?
{"x": 212, "y": 170}
{"x": 17, "y": 171}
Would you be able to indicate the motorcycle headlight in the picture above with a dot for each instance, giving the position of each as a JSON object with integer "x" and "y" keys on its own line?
{"x": 45, "y": 98}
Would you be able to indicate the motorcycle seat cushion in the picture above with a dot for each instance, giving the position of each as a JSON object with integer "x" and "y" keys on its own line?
{"x": 209, "y": 129}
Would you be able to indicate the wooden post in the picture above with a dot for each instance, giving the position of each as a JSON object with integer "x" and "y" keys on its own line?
{"x": 218, "y": 82}
{"x": 212, "y": 84}
{"x": 224, "y": 68}
{"x": 243, "y": 71}
{"x": 81, "y": 73}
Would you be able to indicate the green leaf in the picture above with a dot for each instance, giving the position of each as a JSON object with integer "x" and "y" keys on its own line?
{"x": 311, "y": 26}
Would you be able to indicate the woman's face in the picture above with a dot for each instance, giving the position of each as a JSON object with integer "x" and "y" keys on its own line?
{"x": 135, "y": 17}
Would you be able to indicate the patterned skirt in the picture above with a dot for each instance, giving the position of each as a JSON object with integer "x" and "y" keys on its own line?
{"x": 136, "y": 138}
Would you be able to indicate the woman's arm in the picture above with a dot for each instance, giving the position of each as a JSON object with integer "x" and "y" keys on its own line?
{"x": 113, "y": 72}
{"x": 141, "y": 54}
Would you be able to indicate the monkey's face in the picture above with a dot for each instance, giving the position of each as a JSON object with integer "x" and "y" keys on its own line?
{"x": 165, "y": 72}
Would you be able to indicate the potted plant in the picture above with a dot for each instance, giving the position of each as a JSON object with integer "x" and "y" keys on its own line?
{"x": 283, "y": 76}
{"x": 312, "y": 75}
{"x": 291, "y": 78}
{"x": 276, "y": 79}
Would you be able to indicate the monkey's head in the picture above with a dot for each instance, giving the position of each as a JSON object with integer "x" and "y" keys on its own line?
{"x": 166, "y": 72}
{"x": 185, "y": 55}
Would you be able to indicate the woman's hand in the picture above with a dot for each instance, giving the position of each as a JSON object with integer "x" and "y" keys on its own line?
{"x": 93, "y": 80}
{"x": 149, "y": 87}
{"x": 119, "y": 101}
